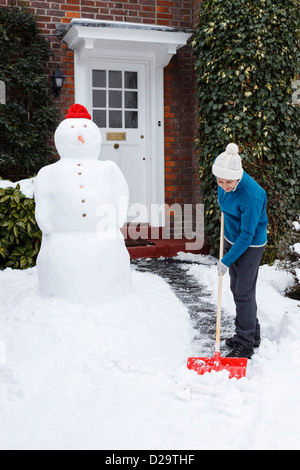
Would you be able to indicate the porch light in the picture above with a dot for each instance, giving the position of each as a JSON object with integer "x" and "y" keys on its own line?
{"x": 58, "y": 81}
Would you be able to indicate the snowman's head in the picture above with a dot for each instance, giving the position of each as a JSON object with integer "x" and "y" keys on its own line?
{"x": 78, "y": 137}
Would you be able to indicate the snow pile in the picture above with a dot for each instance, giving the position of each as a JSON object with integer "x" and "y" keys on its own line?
{"x": 296, "y": 226}
{"x": 115, "y": 377}
{"x": 78, "y": 376}
{"x": 270, "y": 410}
{"x": 26, "y": 186}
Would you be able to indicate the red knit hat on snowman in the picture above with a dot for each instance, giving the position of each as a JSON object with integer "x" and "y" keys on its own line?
{"x": 78, "y": 111}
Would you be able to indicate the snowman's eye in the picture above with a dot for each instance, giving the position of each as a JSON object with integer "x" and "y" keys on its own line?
{"x": 72, "y": 127}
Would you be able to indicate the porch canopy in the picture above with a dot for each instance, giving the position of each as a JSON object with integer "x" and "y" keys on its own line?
{"x": 87, "y": 35}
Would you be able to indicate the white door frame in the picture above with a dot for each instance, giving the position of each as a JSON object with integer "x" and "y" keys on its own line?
{"x": 150, "y": 45}
{"x": 133, "y": 155}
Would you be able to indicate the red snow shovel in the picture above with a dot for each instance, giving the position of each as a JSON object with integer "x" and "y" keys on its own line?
{"x": 235, "y": 366}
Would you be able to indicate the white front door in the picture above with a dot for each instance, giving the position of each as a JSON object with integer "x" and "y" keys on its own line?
{"x": 117, "y": 100}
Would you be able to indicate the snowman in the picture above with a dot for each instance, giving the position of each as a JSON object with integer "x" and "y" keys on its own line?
{"x": 81, "y": 204}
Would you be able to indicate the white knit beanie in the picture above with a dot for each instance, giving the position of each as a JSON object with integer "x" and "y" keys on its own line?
{"x": 228, "y": 165}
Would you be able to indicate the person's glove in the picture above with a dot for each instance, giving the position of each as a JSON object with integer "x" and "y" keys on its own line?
{"x": 222, "y": 269}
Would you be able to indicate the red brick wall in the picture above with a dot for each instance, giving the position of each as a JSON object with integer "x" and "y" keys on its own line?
{"x": 196, "y": 181}
{"x": 180, "y": 102}
{"x": 195, "y": 12}
{"x": 179, "y": 128}
{"x": 181, "y": 167}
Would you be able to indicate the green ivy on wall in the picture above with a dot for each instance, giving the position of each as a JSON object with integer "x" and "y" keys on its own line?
{"x": 246, "y": 64}
{"x": 28, "y": 118}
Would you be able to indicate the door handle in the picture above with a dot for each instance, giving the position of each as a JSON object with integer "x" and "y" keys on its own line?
{"x": 116, "y": 146}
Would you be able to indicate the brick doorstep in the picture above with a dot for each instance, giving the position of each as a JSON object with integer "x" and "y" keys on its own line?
{"x": 164, "y": 248}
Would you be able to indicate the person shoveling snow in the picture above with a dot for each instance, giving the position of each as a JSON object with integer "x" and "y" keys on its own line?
{"x": 243, "y": 203}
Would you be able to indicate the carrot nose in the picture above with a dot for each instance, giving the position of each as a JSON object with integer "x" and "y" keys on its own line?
{"x": 81, "y": 138}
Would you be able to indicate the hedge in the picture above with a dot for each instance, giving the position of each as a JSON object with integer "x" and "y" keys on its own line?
{"x": 29, "y": 118}
{"x": 246, "y": 61}
{"x": 20, "y": 236}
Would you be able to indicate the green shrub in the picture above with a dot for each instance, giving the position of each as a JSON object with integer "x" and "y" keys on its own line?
{"x": 20, "y": 236}
{"x": 246, "y": 64}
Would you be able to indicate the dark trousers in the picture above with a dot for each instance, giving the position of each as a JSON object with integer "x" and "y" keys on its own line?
{"x": 243, "y": 278}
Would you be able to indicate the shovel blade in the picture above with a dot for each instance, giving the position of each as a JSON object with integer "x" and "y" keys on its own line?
{"x": 235, "y": 366}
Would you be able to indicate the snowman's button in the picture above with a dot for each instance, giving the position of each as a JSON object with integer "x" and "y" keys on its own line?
{"x": 83, "y": 215}
{"x": 78, "y": 164}
{"x": 81, "y": 187}
{"x": 83, "y": 201}
{"x": 79, "y": 174}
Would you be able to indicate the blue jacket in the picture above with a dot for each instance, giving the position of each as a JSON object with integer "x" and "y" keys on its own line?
{"x": 245, "y": 217}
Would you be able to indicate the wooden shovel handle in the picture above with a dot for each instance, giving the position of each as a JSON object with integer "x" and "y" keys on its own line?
{"x": 218, "y": 332}
{"x": 222, "y": 237}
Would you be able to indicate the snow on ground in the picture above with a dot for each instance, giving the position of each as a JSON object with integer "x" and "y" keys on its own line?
{"x": 115, "y": 377}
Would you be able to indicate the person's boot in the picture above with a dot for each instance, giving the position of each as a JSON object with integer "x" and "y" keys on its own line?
{"x": 241, "y": 352}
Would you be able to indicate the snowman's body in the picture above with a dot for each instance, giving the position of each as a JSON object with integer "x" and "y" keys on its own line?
{"x": 81, "y": 203}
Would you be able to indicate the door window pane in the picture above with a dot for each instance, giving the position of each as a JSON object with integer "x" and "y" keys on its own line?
{"x": 99, "y": 98}
{"x": 99, "y": 78}
{"x": 131, "y": 80}
{"x": 115, "y": 99}
{"x": 131, "y": 99}
{"x": 131, "y": 119}
{"x": 115, "y": 79}
{"x": 115, "y": 119}
{"x": 99, "y": 117}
